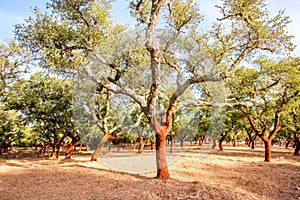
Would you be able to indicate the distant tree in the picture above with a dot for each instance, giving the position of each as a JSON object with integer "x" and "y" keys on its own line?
{"x": 277, "y": 92}
{"x": 13, "y": 62}
{"x": 46, "y": 102}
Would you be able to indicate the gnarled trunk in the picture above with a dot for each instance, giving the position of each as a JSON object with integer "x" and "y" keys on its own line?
{"x": 161, "y": 158}
{"x": 262, "y": 134}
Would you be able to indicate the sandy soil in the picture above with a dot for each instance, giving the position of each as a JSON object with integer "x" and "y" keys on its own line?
{"x": 235, "y": 173}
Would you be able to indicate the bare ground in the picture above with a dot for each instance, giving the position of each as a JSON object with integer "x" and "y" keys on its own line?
{"x": 235, "y": 173}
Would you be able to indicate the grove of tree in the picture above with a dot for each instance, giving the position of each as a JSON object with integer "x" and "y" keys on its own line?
{"x": 233, "y": 80}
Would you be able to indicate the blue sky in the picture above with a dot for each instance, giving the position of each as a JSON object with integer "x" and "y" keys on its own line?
{"x": 15, "y": 11}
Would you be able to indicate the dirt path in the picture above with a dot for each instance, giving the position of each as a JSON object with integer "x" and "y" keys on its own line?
{"x": 235, "y": 173}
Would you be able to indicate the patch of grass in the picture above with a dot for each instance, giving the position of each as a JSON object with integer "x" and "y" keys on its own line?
{"x": 208, "y": 188}
{"x": 193, "y": 188}
{"x": 247, "y": 183}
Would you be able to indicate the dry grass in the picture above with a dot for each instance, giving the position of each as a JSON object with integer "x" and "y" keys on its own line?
{"x": 235, "y": 173}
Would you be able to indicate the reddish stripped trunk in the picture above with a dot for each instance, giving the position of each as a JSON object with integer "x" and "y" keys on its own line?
{"x": 161, "y": 158}
{"x": 262, "y": 134}
{"x": 75, "y": 139}
{"x": 69, "y": 150}
{"x": 152, "y": 145}
{"x": 141, "y": 144}
{"x": 268, "y": 146}
{"x": 105, "y": 137}
{"x": 161, "y": 129}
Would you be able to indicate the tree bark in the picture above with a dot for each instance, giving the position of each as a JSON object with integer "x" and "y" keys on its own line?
{"x": 172, "y": 143}
{"x": 105, "y": 137}
{"x": 161, "y": 158}
{"x": 252, "y": 144}
{"x": 141, "y": 144}
{"x": 234, "y": 142}
{"x": 99, "y": 147}
{"x": 75, "y": 139}
{"x": 268, "y": 146}
{"x": 297, "y": 144}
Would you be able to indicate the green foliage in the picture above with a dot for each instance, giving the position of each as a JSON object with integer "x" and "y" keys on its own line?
{"x": 60, "y": 39}
{"x": 11, "y": 128}
{"x": 46, "y": 104}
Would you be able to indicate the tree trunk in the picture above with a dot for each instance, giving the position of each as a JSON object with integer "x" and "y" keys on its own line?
{"x": 234, "y": 142}
{"x": 268, "y": 146}
{"x": 119, "y": 145}
{"x": 105, "y": 137}
{"x": 44, "y": 147}
{"x": 75, "y": 139}
{"x": 58, "y": 144}
{"x": 109, "y": 146}
{"x": 69, "y": 150}
{"x": 99, "y": 147}
{"x": 87, "y": 145}
{"x": 53, "y": 150}
{"x": 141, "y": 144}
{"x": 172, "y": 143}
{"x": 161, "y": 158}
{"x": 252, "y": 144}
{"x": 223, "y": 136}
{"x": 152, "y": 145}
{"x": 181, "y": 143}
{"x": 297, "y": 144}
{"x": 57, "y": 151}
